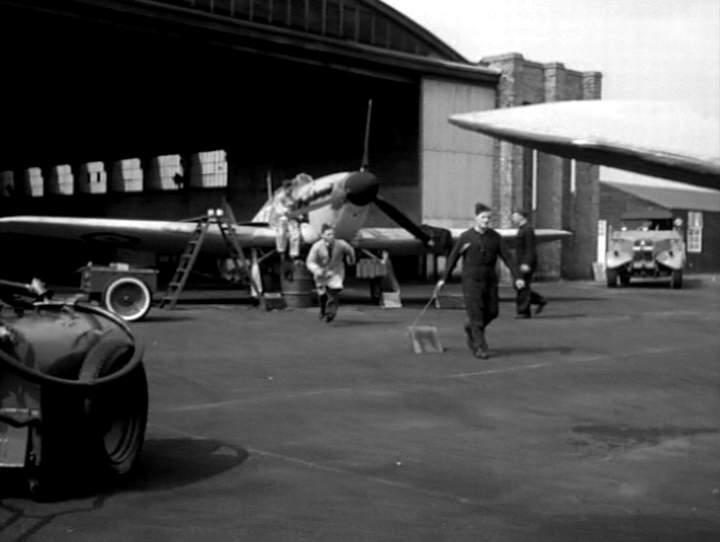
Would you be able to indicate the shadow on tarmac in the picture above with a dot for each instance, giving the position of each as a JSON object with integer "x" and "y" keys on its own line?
{"x": 688, "y": 283}
{"x": 159, "y": 316}
{"x": 171, "y": 463}
{"x": 572, "y": 316}
{"x": 164, "y": 464}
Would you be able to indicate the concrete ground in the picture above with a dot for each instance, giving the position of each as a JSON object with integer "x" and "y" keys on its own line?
{"x": 597, "y": 420}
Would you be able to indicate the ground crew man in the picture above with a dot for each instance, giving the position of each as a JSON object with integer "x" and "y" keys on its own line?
{"x": 287, "y": 229}
{"x": 480, "y": 247}
{"x": 526, "y": 256}
{"x": 326, "y": 261}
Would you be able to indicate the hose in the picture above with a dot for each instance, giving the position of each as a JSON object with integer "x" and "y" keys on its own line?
{"x": 37, "y": 376}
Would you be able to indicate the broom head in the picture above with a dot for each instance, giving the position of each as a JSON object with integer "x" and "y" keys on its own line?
{"x": 425, "y": 339}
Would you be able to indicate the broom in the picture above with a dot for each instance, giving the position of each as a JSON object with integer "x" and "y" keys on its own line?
{"x": 425, "y": 339}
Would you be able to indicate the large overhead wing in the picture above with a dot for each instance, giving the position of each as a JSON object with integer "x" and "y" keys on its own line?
{"x": 400, "y": 241}
{"x": 148, "y": 235}
{"x": 661, "y": 139}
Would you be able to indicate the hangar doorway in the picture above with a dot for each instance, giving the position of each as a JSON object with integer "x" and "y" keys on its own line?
{"x": 84, "y": 92}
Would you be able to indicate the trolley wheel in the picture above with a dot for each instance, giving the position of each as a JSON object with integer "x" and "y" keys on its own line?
{"x": 127, "y": 297}
{"x": 676, "y": 279}
{"x": 376, "y": 290}
{"x": 116, "y": 415}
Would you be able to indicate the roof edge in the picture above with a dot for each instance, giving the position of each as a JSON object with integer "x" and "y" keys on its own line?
{"x": 417, "y": 29}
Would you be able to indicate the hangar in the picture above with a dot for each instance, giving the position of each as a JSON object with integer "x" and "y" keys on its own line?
{"x": 281, "y": 86}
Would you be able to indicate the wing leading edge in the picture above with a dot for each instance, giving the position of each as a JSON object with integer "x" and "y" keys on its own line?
{"x": 399, "y": 241}
{"x": 150, "y": 235}
{"x": 659, "y": 139}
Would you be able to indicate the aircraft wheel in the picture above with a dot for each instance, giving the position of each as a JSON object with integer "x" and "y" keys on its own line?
{"x": 127, "y": 297}
{"x": 676, "y": 279}
{"x": 624, "y": 277}
{"x": 611, "y": 275}
{"x": 116, "y": 414}
{"x": 43, "y": 486}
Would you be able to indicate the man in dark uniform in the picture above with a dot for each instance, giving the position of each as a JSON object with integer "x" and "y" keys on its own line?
{"x": 480, "y": 247}
{"x": 526, "y": 255}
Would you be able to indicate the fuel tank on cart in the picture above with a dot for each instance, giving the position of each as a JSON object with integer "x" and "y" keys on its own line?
{"x": 73, "y": 396}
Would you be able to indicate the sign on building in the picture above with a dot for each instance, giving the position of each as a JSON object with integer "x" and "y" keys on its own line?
{"x": 694, "y": 231}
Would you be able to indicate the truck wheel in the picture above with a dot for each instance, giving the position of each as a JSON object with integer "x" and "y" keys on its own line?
{"x": 611, "y": 275}
{"x": 676, "y": 279}
{"x": 376, "y": 290}
{"x": 115, "y": 414}
{"x": 127, "y": 297}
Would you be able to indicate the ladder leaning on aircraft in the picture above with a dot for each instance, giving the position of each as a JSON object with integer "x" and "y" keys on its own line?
{"x": 194, "y": 246}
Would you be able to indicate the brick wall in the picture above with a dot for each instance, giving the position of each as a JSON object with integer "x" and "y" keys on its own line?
{"x": 559, "y": 205}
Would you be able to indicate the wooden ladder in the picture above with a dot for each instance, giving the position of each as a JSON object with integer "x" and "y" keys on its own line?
{"x": 186, "y": 263}
{"x": 189, "y": 256}
{"x": 225, "y": 221}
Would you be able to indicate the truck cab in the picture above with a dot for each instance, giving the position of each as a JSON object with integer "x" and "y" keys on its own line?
{"x": 647, "y": 245}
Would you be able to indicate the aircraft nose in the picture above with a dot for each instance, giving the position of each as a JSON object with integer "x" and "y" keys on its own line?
{"x": 361, "y": 187}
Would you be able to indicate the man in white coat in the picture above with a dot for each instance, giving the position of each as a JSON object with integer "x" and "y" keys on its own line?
{"x": 326, "y": 261}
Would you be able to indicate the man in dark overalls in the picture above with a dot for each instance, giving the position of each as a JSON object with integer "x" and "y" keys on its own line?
{"x": 480, "y": 247}
{"x": 526, "y": 256}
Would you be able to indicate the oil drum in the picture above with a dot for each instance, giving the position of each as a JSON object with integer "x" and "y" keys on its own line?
{"x": 299, "y": 291}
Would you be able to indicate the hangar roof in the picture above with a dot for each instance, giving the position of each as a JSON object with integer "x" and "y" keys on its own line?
{"x": 675, "y": 196}
{"x": 368, "y": 22}
{"x": 364, "y": 36}
{"x": 360, "y": 30}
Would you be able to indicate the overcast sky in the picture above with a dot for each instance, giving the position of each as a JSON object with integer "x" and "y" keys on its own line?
{"x": 645, "y": 49}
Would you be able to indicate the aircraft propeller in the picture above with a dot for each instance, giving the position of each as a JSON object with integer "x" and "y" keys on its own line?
{"x": 362, "y": 189}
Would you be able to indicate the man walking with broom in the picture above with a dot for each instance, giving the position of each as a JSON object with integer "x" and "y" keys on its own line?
{"x": 480, "y": 247}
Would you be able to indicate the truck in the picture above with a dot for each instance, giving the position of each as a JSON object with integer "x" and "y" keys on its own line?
{"x": 648, "y": 245}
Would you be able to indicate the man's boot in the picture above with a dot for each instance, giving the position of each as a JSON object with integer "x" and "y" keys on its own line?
{"x": 482, "y": 351}
{"x": 322, "y": 298}
{"x": 468, "y": 333}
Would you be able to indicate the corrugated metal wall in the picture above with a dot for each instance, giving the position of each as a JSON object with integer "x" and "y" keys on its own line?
{"x": 456, "y": 165}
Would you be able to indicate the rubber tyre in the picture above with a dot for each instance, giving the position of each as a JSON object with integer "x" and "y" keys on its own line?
{"x": 128, "y": 297}
{"x": 116, "y": 414}
{"x": 676, "y": 279}
{"x": 624, "y": 278}
{"x": 376, "y": 290}
{"x": 612, "y": 277}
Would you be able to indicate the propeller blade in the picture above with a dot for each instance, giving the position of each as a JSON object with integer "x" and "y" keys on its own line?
{"x": 402, "y": 220}
{"x": 366, "y": 143}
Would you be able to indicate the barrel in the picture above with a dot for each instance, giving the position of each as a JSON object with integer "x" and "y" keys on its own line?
{"x": 298, "y": 292}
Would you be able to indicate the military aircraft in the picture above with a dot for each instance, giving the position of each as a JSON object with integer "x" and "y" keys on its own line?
{"x": 341, "y": 199}
{"x": 660, "y": 139}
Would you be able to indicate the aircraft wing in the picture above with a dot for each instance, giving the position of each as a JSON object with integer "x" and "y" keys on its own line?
{"x": 148, "y": 235}
{"x": 660, "y": 139}
{"x": 399, "y": 241}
